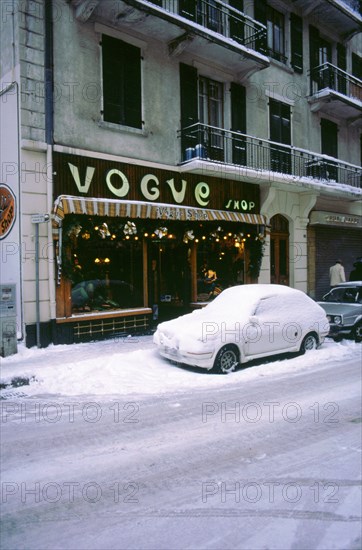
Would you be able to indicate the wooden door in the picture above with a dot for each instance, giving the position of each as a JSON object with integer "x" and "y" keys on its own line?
{"x": 279, "y": 250}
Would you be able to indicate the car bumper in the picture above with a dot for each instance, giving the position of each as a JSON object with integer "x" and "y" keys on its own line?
{"x": 204, "y": 360}
{"x": 339, "y": 330}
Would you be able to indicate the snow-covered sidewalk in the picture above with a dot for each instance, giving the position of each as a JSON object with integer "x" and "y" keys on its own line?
{"x": 132, "y": 365}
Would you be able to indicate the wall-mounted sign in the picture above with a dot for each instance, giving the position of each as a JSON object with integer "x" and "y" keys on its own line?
{"x": 82, "y": 176}
{"x": 7, "y": 210}
{"x": 336, "y": 219}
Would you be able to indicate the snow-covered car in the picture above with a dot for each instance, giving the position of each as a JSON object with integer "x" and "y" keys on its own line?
{"x": 343, "y": 306}
{"x": 243, "y": 323}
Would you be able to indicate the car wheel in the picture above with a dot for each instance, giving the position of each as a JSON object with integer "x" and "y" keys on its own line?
{"x": 226, "y": 360}
{"x": 358, "y": 332}
{"x": 310, "y": 342}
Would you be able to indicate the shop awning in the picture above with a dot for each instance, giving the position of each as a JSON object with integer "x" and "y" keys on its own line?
{"x": 66, "y": 204}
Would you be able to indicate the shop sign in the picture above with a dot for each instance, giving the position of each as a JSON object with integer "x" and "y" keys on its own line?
{"x": 238, "y": 205}
{"x": 169, "y": 213}
{"x": 7, "y": 210}
{"x": 332, "y": 218}
{"x": 99, "y": 178}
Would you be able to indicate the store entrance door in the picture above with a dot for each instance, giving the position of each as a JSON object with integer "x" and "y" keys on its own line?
{"x": 279, "y": 250}
{"x": 169, "y": 274}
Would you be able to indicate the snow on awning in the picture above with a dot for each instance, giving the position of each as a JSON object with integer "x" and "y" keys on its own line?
{"x": 66, "y": 204}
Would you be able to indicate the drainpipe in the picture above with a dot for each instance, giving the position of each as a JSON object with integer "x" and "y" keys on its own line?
{"x": 49, "y": 133}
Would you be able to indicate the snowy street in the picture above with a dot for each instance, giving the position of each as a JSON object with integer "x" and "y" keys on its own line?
{"x": 112, "y": 447}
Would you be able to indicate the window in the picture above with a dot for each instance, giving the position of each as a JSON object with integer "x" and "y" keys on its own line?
{"x": 275, "y": 34}
{"x": 320, "y": 51}
{"x": 211, "y": 114}
{"x": 210, "y": 102}
{"x": 202, "y": 102}
{"x": 121, "y": 82}
{"x": 105, "y": 269}
{"x": 296, "y": 42}
{"x": 280, "y": 132}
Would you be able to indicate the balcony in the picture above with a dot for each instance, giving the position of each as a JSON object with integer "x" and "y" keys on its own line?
{"x": 201, "y": 142}
{"x": 335, "y": 92}
{"x": 209, "y": 29}
{"x": 343, "y": 17}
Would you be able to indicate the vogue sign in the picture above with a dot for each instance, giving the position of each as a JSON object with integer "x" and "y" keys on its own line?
{"x": 84, "y": 176}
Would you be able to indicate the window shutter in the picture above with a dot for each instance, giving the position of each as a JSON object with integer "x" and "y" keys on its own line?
{"x": 121, "y": 82}
{"x": 341, "y": 57}
{"x": 357, "y": 66}
{"x": 187, "y": 8}
{"x": 280, "y": 130}
{"x": 313, "y": 47}
{"x": 329, "y": 138}
{"x": 189, "y": 104}
{"x": 237, "y": 24}
{"x": 238, "y": 123}
{"x": 260, "y": 7}
{"x": 112, "y": 73}
{"x": 296, "y": 41}
{"x": 132, "y": 84}
{"x": 238, "y": 108}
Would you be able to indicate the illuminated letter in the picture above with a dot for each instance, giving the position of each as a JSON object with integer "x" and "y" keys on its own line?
{"x": 202, "y": 191}
{"x": 82, "y": 187}
{"x": 123, "y": 190}
{"x": 177, "y": 195}
{"x": 153, "y": 193}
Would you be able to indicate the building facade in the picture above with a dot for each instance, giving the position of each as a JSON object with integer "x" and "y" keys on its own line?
{"x": 178, "y": 148}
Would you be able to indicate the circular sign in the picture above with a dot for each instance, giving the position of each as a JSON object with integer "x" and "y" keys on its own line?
{"x": 7, "y": 210}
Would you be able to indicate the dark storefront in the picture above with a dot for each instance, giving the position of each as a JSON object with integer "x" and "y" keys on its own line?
{"x": 137, "y": 244}
{"x": 333, "y": 236}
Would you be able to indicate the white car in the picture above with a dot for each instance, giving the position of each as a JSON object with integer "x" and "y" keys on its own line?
{"x": 244, "y": 323}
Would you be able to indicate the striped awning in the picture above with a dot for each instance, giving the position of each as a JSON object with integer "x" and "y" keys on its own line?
{"x": 66, "y": 204}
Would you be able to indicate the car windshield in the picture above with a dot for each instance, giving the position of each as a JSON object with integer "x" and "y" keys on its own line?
{"x": 350, "y": 295}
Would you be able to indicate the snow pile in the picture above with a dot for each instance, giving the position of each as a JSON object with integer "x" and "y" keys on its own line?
{"x": 132, "y": 366}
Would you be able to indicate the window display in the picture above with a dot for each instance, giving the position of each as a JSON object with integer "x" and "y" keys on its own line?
{"x": 105, "y": 267}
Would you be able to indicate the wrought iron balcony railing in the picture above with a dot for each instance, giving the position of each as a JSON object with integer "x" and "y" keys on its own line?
{"x": 330, "y": 76}
{"x": 200, "y": 141}
{"x": 221, "y": 18}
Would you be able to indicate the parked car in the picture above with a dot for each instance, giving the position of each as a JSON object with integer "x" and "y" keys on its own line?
{"x": 243, "y": 323}
{"x": 343, "y": 306}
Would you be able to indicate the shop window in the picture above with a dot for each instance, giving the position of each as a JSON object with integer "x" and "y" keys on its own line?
{"x": 275, "y": 34}
{"x": 121, "y": 82}
{"x": 104, "y": 267}
{"x": 221, "y": 263}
